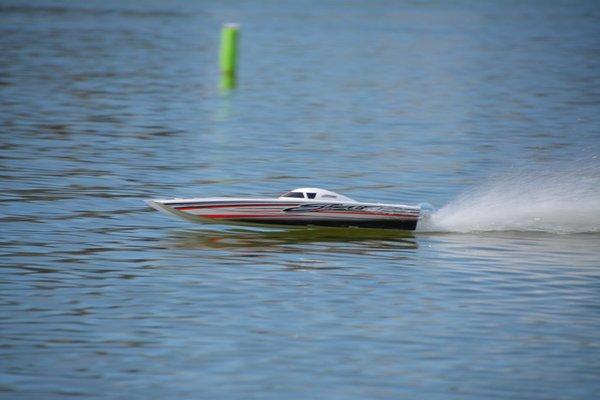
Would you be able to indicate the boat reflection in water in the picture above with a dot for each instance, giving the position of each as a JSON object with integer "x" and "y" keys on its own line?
{"x": 348, "y": 239}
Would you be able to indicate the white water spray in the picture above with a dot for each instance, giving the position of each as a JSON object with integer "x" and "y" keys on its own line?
{"x": 558, "y": 201}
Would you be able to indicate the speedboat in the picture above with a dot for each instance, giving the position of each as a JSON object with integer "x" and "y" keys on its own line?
{"x": 299, "y": 207}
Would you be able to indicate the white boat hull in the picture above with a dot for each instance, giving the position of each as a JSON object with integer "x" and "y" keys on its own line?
{"x": 291, "y": 212}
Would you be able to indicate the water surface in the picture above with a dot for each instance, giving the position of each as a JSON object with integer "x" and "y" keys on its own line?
{"x": 105, "y": 104}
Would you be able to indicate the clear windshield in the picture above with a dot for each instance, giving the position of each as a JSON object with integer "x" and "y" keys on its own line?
{"x": 296, "y": 195}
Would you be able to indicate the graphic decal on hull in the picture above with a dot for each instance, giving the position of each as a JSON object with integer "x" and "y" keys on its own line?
{"x": 351, "y": 208}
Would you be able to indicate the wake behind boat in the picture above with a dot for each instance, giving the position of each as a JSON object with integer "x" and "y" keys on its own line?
{"x": 304, "y": 207}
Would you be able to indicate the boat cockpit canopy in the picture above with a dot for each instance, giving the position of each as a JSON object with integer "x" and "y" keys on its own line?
{"x": 315, "y": 194}
{"x": 300, "y": 195}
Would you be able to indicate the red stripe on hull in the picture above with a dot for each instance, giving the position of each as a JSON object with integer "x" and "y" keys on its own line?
{"x": 278, "y": 216}
{"x": 231, "y": 205}
{"x": 225, "y": 216}
{"x": 367, "y": 213}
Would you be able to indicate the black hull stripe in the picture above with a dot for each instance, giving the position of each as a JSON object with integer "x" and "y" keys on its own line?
{"x": 366, "y": 223}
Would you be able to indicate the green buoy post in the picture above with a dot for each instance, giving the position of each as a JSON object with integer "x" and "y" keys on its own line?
{"x": 229, "y": 55}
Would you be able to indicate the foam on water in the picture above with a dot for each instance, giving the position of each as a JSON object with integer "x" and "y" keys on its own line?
{"x": 558, "y": 200}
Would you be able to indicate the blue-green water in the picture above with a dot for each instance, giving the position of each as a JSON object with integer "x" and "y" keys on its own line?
{"x": 104, "y": 104}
